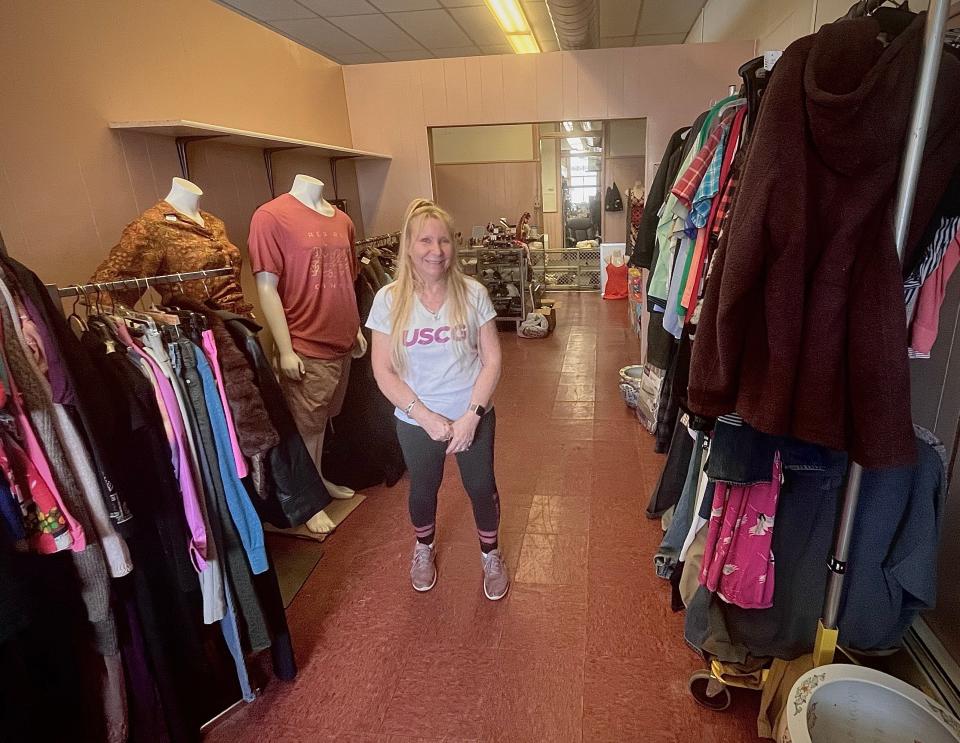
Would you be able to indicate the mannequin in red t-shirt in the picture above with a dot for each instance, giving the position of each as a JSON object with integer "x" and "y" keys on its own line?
{"x": 301, "y": 251}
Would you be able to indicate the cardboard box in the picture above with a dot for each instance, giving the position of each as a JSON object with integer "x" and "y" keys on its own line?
{"x": 551, "y": 314}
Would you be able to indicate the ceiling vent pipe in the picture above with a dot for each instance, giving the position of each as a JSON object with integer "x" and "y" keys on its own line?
{"x": 575, "y": 22}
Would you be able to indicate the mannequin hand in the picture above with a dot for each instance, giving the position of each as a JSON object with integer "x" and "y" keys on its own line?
{"x": 464, "y": 429}
{"x": 292, "y": 366}
{"x": 360, "y": 347}
{"x": 437, "y": 427}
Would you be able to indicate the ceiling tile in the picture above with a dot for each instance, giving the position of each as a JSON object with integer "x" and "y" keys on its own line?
{"x": 479, "y": 24}
{"x": 361, "y": 58}
{"x": 459, "y": 3}
{"x": 497, "y": 49}
{"x": 668, "y": 16}
{"x": 332, "y": 8}
{"x": 432, "y": 28}
{"x": 320, "y": 35}
{"x": 394, "y": 6}
{"x": 271, "y": 10}
{"x": 539, "y": 17}
{"x": 406, "y": 56}
{"x": 469, "y": 51}
{"x": 376, "y": 31}
{"x": 659, "y": 39}
{"x": 609, "y": 42}
{"x": 619, "y": 17}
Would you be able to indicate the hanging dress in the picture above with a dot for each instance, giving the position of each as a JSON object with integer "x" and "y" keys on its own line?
{"x": 616, "y": 286}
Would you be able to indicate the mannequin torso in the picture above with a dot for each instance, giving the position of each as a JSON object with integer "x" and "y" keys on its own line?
{"x": 185, "y": 196}
{"x": 309, "y": 192}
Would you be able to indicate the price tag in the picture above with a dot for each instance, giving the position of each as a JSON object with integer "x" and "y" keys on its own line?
{"x": 770, "y": 59}
{"x": 365, "y": 261}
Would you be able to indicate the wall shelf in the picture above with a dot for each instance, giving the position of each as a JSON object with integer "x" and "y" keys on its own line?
{"x": 184, "y": 132}
{"x": 184, "y": 128}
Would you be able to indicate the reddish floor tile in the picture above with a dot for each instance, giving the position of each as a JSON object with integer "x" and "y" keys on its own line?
{"x": 634, "y": 700}
{"x": 549, "y": 709}
{"x": 442, "y": 694}
{"x": 553, "y": 559}
{"x": 550, "y": 514}
{"x": 540, "y": 617}
{"x": 573, "y": 410}
{"x": 576, "y": 392}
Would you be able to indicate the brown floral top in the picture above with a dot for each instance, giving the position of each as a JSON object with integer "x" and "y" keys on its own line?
{"x": 163, "y": 241}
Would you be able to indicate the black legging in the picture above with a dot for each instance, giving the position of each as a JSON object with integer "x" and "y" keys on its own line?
{"x": 425, "y": 459}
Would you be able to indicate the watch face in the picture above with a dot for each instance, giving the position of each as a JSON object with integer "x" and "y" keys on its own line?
{"x": 479, "y": 410}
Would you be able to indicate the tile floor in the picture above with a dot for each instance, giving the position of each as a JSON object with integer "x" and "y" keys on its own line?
{"x": 584, "y": 648}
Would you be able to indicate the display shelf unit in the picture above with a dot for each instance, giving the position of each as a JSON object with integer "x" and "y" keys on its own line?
{"x": 185, "y": 131}
{"x": 512, "y": 266}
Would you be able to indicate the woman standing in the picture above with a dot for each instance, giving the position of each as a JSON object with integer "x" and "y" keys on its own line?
{"x": 436, "y": 357}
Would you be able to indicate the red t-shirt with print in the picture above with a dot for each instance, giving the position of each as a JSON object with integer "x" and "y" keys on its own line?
{"x": 314, "y": 258}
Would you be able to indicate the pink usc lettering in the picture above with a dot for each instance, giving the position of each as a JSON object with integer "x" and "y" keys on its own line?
{"x": 429, "y": 336}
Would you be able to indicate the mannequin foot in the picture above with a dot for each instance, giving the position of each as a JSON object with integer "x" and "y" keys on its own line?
{"x": 320, "y": 523}
{"x": 340, "y": 492}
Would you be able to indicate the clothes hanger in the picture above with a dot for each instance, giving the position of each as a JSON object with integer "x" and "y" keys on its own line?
{"x": 73, "y": 312}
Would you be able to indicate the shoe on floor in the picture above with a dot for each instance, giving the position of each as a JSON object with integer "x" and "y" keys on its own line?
{"x": 496, "y": 582}
{"x": 423, "y": 571}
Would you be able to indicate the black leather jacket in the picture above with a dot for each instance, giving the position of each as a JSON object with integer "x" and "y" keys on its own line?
{"x": 298, "y": 491}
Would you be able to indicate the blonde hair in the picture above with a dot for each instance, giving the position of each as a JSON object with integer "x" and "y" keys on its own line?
{"x": 403, "y": 289}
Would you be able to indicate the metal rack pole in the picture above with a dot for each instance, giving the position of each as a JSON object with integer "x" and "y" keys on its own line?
{"x": 142, "y": 282}
{"x": 827, "y": 632}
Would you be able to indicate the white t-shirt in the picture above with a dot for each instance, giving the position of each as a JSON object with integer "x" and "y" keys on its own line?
{"x": 437, "y": 375}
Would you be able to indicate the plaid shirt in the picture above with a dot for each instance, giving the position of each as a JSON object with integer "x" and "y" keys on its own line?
{"x": 686, "y": 186}
{"x": 710, "y": 185}
{"x": 729, "y": 193}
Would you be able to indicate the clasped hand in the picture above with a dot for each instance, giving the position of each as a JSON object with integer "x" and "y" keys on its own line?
{"x": 458, "y": 434}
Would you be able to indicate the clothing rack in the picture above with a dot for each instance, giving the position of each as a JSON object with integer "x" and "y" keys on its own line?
{"x": 142, "y": 282}
{"x": 825, "y": 644}
{"x": 377, "y": 241}
{"x": 827, "y": 633}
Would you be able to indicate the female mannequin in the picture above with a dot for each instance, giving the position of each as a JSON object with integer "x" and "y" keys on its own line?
{"x": 185, "y": 196}
{"x": 175, "y": 236}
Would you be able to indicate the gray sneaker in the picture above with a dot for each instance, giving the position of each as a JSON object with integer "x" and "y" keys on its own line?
{"x": 423, "y": 572}
{"x": 496, "y": 582}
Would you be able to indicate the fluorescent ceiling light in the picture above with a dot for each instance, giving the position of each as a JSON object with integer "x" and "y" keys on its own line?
{"x": 523, "y": 43}
{"x": 510, "y": 16}
{"x": 514, "y": 23}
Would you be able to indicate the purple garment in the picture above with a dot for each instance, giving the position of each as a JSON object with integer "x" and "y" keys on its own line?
{"x": 147, "y": 723}
{"x": 737, "y": 557}
{"x": 63, "y": 391}
{"x": 180, "y": 451}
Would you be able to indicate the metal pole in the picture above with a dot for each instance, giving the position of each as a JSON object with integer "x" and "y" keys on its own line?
{"x": 920, "y": 118}
{"x": 909, "y": 174}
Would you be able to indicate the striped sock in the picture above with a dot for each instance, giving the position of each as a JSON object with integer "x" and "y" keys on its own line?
{"x": 425, "y": 534}
{"x": 488, "y": 541}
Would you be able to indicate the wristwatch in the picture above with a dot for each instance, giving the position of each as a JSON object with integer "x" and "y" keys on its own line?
{"x": 478, "y": 409}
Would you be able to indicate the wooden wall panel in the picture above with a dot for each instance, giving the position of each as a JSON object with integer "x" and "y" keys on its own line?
{"x": 492, "y": 93}
{"x": 519, "y": 73}
{"x": 549, "y": 86}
